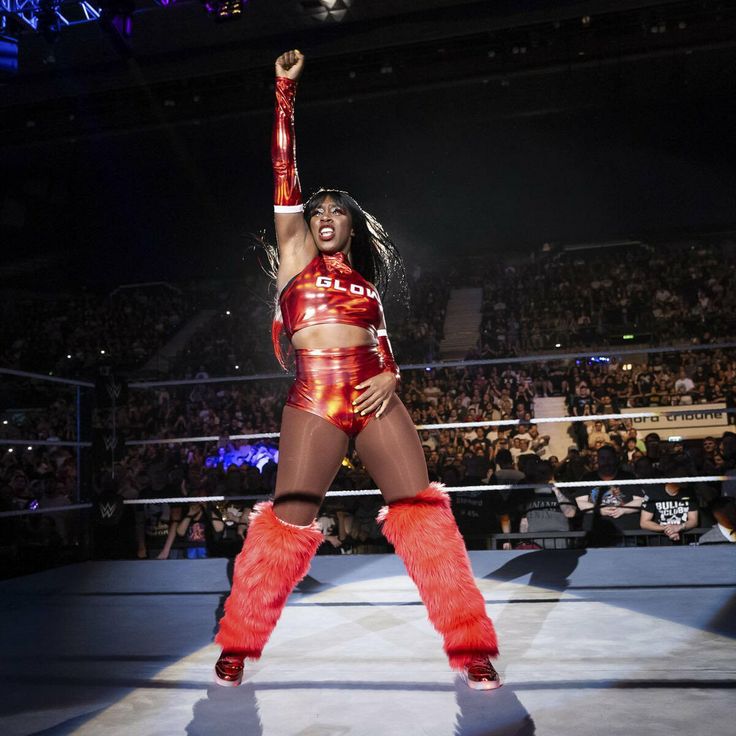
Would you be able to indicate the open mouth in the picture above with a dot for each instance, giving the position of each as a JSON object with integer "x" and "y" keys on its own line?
{"x": 326, "y": 232}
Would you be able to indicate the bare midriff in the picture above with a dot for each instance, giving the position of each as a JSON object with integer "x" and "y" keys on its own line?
{"x": 331, "y": 336}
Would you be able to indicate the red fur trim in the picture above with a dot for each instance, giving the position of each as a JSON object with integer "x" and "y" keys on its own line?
{"x": 274, "y": 558}
{"x": 423, "y": 531}
{"x": 433, "y": 495}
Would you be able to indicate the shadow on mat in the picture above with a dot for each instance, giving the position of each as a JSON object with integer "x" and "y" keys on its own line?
{"x": 549, "y": 569}
{"x": 220, "y": 610}
{"x": 226, "y": 712}
{"x": 497, "y": 713}
{"x": 724, "y": 620}
{"x": 500, "y": 713}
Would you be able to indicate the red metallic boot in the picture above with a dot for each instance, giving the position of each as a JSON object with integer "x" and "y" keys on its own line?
{"x": 229, "y": 669}
{"x": 482, "y": 675}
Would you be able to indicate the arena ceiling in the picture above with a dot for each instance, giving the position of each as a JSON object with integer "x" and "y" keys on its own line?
{"x": 179, "y": 65}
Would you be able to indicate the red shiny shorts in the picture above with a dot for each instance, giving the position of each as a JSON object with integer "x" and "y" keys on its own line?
{"x": 325, "y": 384}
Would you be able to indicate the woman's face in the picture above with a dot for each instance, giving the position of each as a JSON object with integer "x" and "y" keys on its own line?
{"x": 331, "y": 227}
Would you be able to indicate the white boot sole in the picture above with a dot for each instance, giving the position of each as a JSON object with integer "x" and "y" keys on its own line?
{"x": 483, "y": 685}
{"x": 227, "y": 683}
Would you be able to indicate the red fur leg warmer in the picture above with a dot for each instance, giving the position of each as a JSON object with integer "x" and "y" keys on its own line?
{"x": 274, "y": 558}
{"x": 423, "y": 531}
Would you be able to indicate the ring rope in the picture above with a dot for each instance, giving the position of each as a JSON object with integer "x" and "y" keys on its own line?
{"x": 456, "y": 425}
{"x": 376, "y": 492}
{"x": 42, "y": 377}
{"x": 455, "y": 489}
{"x": 52, "y": 510}
{"x": 46, "y": 443}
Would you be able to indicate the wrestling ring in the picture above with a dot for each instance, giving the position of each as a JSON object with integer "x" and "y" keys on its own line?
{"x": 593, "y": 641}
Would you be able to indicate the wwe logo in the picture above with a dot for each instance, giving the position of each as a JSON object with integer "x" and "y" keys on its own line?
{"x": 110, "y": 442}
{"x": 107, "y": 510}
{"x": 114, "y": 389}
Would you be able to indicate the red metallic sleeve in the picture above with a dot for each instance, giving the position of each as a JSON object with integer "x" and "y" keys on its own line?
{"x": 387, "y": 356}
{"x": 287, "y": 191}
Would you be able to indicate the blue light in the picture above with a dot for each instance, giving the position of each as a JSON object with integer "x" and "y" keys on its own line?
{"x": 255, "y": 455}
{"x": 8, "y": 54}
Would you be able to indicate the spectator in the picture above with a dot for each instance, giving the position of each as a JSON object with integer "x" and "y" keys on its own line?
{"x": 597, "y": 434}
{"x": 580, "y": 404}
{"x": 683, "y": 384}
{"x": 477, "y": 465}
{"x": 328, "y": 523}
{"x": 572, "y": 468}
{"x": 545, "y": 508}
{"x": 228, "y": 524}
{"x": 453, "y": 473}
{"x": 539, "y": 442}
{"x": 175, "y": 485}
{"x": 670, "y": 510}
{"x": 609, "y": 509}
{"x": 640, "y": 445}
{"x": 429, "y": 439}
{"x": 724, "y": 530}
{"x": 654, "y": 449}
{"x": 708, "y": 451}
{"x": 192, "y": 528}
{"x": 505, "y": 503}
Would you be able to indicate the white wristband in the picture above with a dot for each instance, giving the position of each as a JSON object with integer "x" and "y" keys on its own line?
{"x": 285, "y": 209}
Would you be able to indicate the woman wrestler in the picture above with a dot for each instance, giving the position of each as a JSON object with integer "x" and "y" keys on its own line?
{"x": 334, "y": 260}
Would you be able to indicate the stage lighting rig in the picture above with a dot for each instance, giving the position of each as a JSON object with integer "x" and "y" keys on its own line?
{"x": 222, "y": 10}
{"x": 48, "y": 23}
{"x": 18, "y": 16}
{"x": 119, "y": 15}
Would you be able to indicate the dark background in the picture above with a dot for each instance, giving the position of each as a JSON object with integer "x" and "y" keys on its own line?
{"x": 162, "y": 175}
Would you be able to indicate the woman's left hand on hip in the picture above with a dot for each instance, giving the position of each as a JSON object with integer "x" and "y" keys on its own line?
{"x": 377, "y": 394}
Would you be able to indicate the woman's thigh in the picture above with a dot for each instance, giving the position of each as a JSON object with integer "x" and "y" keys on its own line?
{"x": 310, "y": 452}
{"x": 389, "y": 448}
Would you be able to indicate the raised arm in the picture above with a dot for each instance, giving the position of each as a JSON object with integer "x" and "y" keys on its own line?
{"x": 296, "y": 245}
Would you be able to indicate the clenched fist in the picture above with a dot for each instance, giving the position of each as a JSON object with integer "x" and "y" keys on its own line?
{"x": 290, "y": 64}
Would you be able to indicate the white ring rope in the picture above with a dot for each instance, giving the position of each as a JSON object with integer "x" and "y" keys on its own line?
{"x": 186, "y": 499}
{"x": 376, "y": 492}
{"x": 457, "y": 489}
{"x": 214, "y": 438}
{"x": 457, "y": 425}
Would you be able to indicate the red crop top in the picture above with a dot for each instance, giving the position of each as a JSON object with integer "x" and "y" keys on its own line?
{"x": 326, "y": 291}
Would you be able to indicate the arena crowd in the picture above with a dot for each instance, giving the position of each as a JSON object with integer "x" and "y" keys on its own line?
{"x": 553, "y": 294}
